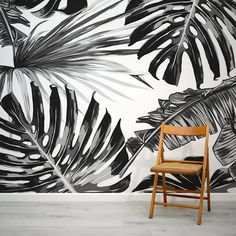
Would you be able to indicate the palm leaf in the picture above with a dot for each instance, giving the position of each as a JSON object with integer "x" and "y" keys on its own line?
{"x": 10, "y": 15}
{"x": 75, "y": 53}
{"x": 190, "y": 108}
{"x": 221, "y": 181}
{"x": 33, "y": 159}
{"x": 50, "y": 6}
{"x": 180, "y": 25}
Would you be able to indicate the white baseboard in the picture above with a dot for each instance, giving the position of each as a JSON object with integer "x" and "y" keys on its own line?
{"x": 97, "y": 197}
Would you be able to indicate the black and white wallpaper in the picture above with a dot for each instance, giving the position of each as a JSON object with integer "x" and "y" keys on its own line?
{"x": 85, "y": 85}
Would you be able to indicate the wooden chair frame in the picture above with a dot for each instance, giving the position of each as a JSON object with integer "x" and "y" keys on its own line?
{"x": 182, "y": 131}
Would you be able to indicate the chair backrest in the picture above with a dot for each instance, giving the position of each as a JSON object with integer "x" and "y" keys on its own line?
{"x": 183, "y": 131}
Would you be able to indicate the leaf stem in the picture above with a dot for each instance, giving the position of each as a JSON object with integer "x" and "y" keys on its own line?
{"x": 8, "y": 30}
{"x": 186, "y": 26}
{"x": 49, "y": 158}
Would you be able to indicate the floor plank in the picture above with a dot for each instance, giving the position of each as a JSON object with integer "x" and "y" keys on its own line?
{"x": 112, "y": 218}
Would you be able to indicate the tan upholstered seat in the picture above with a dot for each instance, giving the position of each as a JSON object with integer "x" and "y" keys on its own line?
{"x": 178, "y": 168}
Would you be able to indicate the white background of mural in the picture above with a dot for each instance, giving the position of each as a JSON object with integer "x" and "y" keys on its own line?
{"x": 142, "y": 99}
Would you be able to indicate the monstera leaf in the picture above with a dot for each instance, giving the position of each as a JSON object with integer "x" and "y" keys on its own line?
{"x": 180, "y": 27}
{"x": 221, "y": 181}
{"x": 189, "y": 108}
{"x": 33, "y": 159}
{"x": 10, "y": 15}
{"x": 50, "y": 6}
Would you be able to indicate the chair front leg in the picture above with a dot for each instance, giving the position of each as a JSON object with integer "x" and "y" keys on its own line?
{"x": 153, "y": 196}
{"x": 164, "y": 188}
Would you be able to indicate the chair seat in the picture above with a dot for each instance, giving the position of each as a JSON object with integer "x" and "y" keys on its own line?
{"x": 177, "y": 168}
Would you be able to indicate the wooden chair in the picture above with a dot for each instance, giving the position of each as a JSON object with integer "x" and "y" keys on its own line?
{"x": 184, "y": 167}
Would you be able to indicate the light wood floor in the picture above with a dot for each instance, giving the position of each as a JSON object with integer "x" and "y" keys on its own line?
{"x": 113, "y": 219}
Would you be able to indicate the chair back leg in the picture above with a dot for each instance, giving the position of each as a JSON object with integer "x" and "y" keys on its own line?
{"x": 208, "y": 189}
{"x": 201, "y": 197}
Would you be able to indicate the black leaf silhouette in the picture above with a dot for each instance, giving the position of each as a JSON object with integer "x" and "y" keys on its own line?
{"x": 33, "y": 159}
{"x": 50, "y": 6}
{"x": 180, "y": 26}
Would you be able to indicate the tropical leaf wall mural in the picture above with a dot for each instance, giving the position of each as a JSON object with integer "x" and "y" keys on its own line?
{"x": 180, "y": 26}
{"x": 67, "y": 53}
{"x": 45, "y": 162}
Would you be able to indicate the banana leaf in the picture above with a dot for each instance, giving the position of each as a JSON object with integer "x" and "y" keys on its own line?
{"x": 224, "y": 147}
{"x": 35, "y": 160}
{"x": 180, "y": 27}
{"x": 50, "y": 6}
{"x": 215, "y": 106}
{"x": 220, "y": 182}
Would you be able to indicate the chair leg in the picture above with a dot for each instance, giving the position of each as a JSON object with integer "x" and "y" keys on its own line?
{"x": 164, "y": 188}
{"x": 153, "y": 196}
{"x": 201, "y": 197}
{"x": 208, "y": 189}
